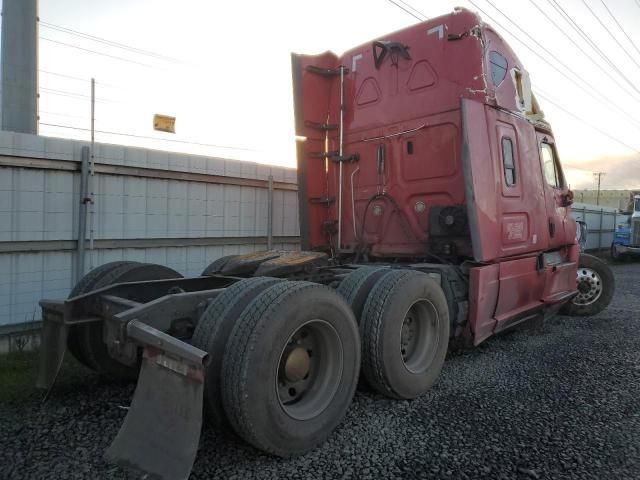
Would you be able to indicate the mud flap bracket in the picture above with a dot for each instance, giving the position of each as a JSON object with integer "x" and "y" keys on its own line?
{"x": 53, "y": 345}
{"x": 161, "y": 431}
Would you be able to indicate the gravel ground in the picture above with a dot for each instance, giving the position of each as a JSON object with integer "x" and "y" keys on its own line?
{"x": 558, "y": 402}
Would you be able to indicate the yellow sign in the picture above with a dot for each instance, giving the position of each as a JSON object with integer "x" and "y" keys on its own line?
{"x": 164, "y": 123}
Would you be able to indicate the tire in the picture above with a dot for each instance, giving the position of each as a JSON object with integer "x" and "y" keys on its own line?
{"x": 211, "y": 335}
{"x": 216, "y": 266}
{"x": 90, "y": 341}
{"x": 356, "y": 286}
{"x": 615, "y": 256}
{"x": 596, "y": 286}
{"x": 405, "y": 334}
{"x": 85, "y": 285}
{"x": 293, "y": 334}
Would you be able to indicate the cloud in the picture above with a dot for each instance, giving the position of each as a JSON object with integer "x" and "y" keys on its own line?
{"x": 622, "y": 172}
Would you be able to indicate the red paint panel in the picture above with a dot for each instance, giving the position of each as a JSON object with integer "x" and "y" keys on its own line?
{"x": 483, "y": 297}
{"x": 560, "y": 281}
{"x": 312, "y": 100}
{"x": 430, "y": 153}
{"x": 521, "y": 288}
{"x": 561, "y": 275}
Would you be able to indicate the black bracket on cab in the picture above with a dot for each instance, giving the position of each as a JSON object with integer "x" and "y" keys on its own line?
{"x": 394, "y": 49}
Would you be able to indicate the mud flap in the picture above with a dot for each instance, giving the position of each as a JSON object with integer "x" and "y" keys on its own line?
{"x": 161, "y": 431}
{"x": 53, "y": 345}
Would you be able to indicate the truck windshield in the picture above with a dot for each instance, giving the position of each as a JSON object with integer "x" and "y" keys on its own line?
{"x": 636, "y": 207}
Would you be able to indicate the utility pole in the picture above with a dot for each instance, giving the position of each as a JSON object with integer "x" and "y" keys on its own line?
{"x": 19, "y": 68}
{"x": 92, "y": 179}
{"x": 599, "y": 176}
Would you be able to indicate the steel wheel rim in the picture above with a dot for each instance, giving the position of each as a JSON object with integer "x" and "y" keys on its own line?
{"x": 589, "y": 286}
{"x": 419, "y": 338}
{"x": 309, "y": 370}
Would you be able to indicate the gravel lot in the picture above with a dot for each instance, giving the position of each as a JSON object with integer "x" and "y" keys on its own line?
{"x": 558, "y": 402}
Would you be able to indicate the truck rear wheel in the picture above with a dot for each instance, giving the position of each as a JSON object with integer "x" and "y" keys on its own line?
{"x": 291, "y": 367}
{"x": 596, "y": 286}
{"x": 90, "y": 342}
{"x": 217, "y": 265}
{"x": 405, "y": 333}
{"x": 85, "y": 285}
{"x": 212, "y": 332}
{"x": 356, "y": 286}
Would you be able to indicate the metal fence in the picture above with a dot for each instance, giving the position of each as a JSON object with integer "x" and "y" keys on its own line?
{"x": 179, "y": 210}
{"x": 601, "y": 223}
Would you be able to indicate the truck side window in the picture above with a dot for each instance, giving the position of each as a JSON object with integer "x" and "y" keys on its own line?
{"x": 549, "y": 165}
{"x": 498, "y": 67}
{"x": 508, "y": 163}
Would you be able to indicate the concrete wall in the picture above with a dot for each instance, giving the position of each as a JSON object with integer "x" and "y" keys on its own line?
{"x": 179, "y": 210}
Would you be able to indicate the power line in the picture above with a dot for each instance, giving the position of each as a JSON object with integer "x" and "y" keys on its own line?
{"x": 105, "y": 41}
{"x": 80, "y": 117}
{"x": 572, "y": 23}
{"x": 620, "y": 26}
{"x": 79, "y": 96}
{"x": 603, "y": 99}
{"x": 64, "y": 75}
{"x": 584, "y": 52}
{"x": 408, "y": 11}
{"x": 408, "y": 5}
{"x": 97, "y": 53}
{"x": 150, "y": 138}
{"x": 541, "y": 95}
{"x": 611, "y": 34}
{"x": 87, "y": 80}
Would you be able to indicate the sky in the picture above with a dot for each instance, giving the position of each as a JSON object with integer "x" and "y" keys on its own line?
{"x": 223, "y": 70}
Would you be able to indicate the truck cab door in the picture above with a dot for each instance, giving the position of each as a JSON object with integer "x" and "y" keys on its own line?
{"x": 561, "y": 228}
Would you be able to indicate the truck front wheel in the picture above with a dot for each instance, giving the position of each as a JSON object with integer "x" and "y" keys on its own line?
{"x": 595, "y": 284}
{"x": 615, "y": 255}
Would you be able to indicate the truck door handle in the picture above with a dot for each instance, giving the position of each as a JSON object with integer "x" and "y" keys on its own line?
{"x": 552, "y": 228}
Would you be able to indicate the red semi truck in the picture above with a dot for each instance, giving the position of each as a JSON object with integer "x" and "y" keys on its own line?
{"x": 433, "y": 210}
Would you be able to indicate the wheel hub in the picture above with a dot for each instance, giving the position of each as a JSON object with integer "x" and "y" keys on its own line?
{"x": 309, "y": 369}
{"x": 589, "y": 286}
{"x": 407, "y": 336}
{"x": 584, "y": 286}
{"x": 418, "y": 338}
{"x": 297, "y": 364}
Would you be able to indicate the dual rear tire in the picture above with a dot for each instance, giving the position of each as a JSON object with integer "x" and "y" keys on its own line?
{"x": 404, "y": 328}
{"x": 405, "y": 333}
{"x": 85, "y": 341}
{"x": 285, "y": 359}
{"x": 285, "y": 356}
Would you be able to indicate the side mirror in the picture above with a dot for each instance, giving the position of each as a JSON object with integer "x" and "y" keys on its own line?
{"x": 581, "y": 234}
{"x": 567, "y": 198}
